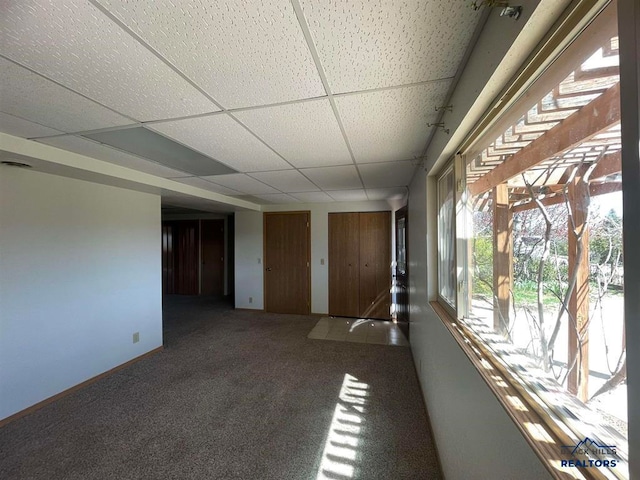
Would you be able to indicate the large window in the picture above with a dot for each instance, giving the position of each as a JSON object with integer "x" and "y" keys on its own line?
{"x": 543, "y": 269}
{"x": 446, "y": 237}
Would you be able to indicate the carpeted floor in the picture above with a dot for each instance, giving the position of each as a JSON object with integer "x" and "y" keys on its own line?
{"x": 234, "y": 395}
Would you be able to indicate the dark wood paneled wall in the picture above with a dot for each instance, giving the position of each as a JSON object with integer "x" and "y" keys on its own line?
{"x": 180, "y": 255}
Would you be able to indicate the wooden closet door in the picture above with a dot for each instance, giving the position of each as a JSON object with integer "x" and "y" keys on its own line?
{"x": 344, "y": 264}
{"x": 375, "y": 265}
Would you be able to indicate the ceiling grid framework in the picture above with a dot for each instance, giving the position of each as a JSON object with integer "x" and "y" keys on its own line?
{"x": 307, "y": 101}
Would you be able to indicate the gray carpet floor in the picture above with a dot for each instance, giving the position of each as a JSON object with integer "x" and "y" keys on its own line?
{"x": 234, "y": 395}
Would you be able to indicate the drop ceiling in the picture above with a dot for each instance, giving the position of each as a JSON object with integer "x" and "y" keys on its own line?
{"x": 272, "y": 101}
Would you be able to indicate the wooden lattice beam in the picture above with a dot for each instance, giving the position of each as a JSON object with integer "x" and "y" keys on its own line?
{"x": 594, "y": 190}
{"x": 588, "y": 121}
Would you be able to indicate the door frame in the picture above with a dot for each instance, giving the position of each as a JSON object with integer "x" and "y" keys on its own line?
{"x": 264, "y": 254}
{"x": 401, "y": 213}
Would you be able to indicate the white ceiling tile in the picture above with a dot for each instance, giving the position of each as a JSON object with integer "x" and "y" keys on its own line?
{"x": 75, "y": 44}
{"x": 312, "y": 197}
{"x": 349, "y": 195}
{"x": 242, "y": 53}
{"x": 307, "y": 134}
{"x": 206, "y": 185}
{"x": 382, "y": 175}
{"x": 391, "y": 124}
{"x": 287, "y": 181}
{"x": 222, "y": 138}
{"x": 27, "y": 95}
{"x": 367, "y": 44}
{"x": 334, "y": 178}
{"x": 23, "y": 128}
{"x": 241, "y": 183}
{"x": 386, "y": 193}
{"x": 278, "y": 198}
{"x": 111, "y": 155}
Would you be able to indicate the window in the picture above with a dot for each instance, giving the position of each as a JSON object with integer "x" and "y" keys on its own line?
{"x": 446, "y": 237}
{"x": 543, "y": 269}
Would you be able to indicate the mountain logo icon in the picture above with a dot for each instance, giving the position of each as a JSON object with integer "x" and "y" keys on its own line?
{"x": 589, "y": 445}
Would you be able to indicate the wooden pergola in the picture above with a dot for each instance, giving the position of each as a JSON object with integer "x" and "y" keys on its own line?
{"x": 565, "y": 148}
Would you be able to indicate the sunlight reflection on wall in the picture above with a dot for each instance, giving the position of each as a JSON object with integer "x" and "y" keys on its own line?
{"x": 340, "y": 455}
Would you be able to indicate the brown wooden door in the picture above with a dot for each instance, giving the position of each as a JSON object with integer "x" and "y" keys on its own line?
{"x": 287, "y": 282}
{"x": 375, "y": 264}
{"x": 344, "y": 264}
{"x": 212, "y": 272}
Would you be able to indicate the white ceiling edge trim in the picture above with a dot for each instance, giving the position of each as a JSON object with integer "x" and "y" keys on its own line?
{"x": 468, "y": 112}
{"x": 62, "y": 162}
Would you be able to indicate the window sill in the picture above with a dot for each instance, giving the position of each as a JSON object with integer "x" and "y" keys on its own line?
{"x": 544, "y": 435}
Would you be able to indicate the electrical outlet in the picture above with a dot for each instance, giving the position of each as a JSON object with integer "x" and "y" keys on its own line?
{"x": 250, "y": 299}
{"x": 136, "y": 337}
{"x": 322, "y": 261}
{"x": 259, "y": 261}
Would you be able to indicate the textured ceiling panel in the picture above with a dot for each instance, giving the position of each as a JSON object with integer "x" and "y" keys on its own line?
{"x": 29, "y": 96}
{"x": 369, "y": 44}
{"x": 381, "y": 175}
{"x": 391, "y": 124}
{"x": 111, "y": 155}
{"x": 312, "y": 197}
{"x": 206, "y": 185}
{"x": 75, "y": 44}
{"x": 278, "y": 198}
{"x": 242, "y": 183}
{"x": 307, "y": 134}
{"x": 334, "y": 178}
{"x": 287, "y": 181}
{"x": 222, "y": 138}
{"x": 23, "y": 128}
{"x": 242, "y": 53}
{"x": 349, "y": 195}
{"x": 147, "y": 144}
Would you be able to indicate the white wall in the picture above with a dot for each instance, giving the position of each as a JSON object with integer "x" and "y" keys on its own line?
{"x": 80, "y": 272}
{"x": 475, "y": 437}
{"x": 248, "y": 250}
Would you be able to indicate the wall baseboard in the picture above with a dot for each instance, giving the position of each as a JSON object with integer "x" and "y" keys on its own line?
{"x": 75, "y": 388}
{"x": 250, "y": 309}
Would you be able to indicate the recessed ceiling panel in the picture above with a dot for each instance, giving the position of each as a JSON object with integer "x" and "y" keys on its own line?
{"x": 242, "y": 53}
{"x": 75, "y": 44}
{"x": 313, "y": 197}
{"x": 98, "y": 151}
{"x": 349, "y": 195}
{"x": 206, "y": 185}
{"x": 334, "y": 178}
{"x": 307, "y": 134}
{"x": 224, "y": 139}
{"x": 148, "y": 144}
{"x": 364, "y": 44}
{"x": 381, "y": 175}
{"x": 23, "y": 128}
{"x": 27, "y": 95}
{"x": 386, "y": 193}
{"x": 242, "y": 183}
{"x": 278, "y": 198}
{"x": 286, "y": 181}
{"x": 391, "y": 124}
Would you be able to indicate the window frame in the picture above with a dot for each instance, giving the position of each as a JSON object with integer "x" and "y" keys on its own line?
{"x": 498, "y": 376}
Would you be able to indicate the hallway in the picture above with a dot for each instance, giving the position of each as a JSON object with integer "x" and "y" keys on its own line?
{"x": 235, "y": 394}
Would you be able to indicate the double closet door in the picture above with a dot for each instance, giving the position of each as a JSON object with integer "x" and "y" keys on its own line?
{"x": 360, "y": 264}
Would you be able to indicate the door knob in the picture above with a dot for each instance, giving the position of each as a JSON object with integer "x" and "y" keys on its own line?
{"x": 268, "y": 269}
